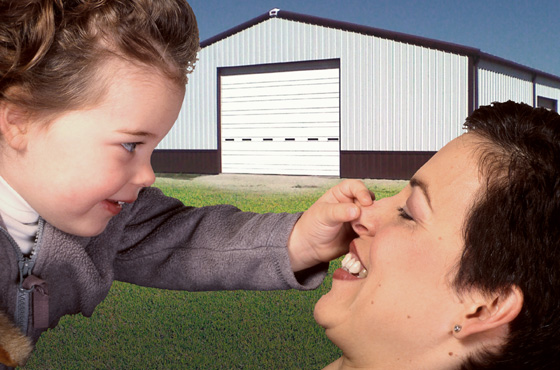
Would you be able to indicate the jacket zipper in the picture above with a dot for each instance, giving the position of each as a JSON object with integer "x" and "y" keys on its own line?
{"x": 25, "y": 267}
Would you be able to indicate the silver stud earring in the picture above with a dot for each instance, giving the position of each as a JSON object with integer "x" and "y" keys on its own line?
{"x": 457, "y": 328}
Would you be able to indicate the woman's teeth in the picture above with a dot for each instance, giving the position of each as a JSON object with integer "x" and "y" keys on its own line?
{"x": 352, "y": 264}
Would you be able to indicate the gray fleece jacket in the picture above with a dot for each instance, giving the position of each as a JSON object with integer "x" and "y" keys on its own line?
{"x": 154, "y": 242}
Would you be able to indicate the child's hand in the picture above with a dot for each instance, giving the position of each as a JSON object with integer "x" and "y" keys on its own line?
{"x": 323, "y": 232}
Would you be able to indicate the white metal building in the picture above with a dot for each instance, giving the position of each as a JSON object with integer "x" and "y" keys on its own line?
{"x": 287, "y": 93}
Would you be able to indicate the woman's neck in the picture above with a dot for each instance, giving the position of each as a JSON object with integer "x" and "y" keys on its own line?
{"x": 344, "y": 363}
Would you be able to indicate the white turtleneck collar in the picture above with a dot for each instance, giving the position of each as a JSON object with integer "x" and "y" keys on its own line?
{"x": 20, "y": 219}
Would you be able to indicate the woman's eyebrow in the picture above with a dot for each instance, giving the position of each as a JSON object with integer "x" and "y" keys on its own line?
{"x": 414, "y": 182}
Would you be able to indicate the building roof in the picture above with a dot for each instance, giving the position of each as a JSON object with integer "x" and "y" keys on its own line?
{"x": 474, "y": 53}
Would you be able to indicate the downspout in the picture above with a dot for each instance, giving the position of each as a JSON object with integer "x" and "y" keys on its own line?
{"x": 534, "y": 81}
{"x": 473, "y": 83}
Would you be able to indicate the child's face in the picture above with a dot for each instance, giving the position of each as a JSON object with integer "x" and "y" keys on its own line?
{"x": 75, "y": 171}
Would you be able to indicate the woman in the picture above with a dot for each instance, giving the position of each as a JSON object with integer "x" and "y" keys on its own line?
{"x": 461, "y": 269}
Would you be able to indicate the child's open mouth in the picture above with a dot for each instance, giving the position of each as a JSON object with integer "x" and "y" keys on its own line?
{"x": 113, "y": 206}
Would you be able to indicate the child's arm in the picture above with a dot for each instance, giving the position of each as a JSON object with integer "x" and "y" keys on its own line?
{"x": 161, "y": 243}
{"x": 323, "y": 232}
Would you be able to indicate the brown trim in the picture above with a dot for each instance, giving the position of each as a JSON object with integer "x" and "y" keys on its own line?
{"x": 534, "y": 82}
{"x": 377, "y": 32}
{"x": 381, "y": 164}
{"x": 219, "y": 117}
{"x": 234, "y": 30}
{"x": 303, "y": 65}
{"x": 346, "y": 26}
{"x": 473, "y": 84}
{"x": 548, "y": 103}
{"x": 353, "y": 164}
{"x": 186, "y": 161}
{"x": 521, "y": 67}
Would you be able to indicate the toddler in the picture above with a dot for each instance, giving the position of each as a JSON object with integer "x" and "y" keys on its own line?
{"x": 88, "y": 88}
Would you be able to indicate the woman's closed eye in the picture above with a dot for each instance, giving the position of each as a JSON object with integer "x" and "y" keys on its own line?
{"x": 403, "y": 214}
{"x": 130, "y": 147}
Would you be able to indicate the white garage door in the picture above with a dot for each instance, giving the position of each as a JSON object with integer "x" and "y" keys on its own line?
{"x": 281, "y": 122}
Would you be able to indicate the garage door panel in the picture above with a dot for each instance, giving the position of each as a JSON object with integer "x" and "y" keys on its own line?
{"x": 279, "y": 138}
{"x": 286, "y": 147}
{"x": 287, "y": 166}
{"x": 296, "y": 171}
{"x": 264, "y": 92}
{"x": 300, "y": 103}
{"x": 262, "y": 119}
{"x": 323, "y": 92}
{"x": 294, "y": 159}
{"x": 293, "y": 170}
{"x": 281, "y": 123}
{"x": 243, "y": 136}
{"x": 314, "y": 126}
{"x": 241, "y": 131}
{"x": 299, "y": 76}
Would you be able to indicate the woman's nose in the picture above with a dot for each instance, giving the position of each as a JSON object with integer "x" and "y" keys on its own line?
{"x": 366, "y": 224}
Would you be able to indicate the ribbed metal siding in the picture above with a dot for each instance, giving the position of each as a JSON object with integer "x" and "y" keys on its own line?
{"x": 196, "y": 125}
{"x": 401, "y": 97}
{"x": 497, "y": 83}
{"x": 394, "y": 96}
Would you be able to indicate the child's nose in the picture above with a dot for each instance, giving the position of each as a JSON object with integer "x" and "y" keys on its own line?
{"x": 145, "y": 175}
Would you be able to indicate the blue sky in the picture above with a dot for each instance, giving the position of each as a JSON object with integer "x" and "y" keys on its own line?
{"x": 523, "y": 31}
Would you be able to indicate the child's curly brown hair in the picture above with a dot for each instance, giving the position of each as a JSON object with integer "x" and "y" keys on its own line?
{"x": 51, "y": 50}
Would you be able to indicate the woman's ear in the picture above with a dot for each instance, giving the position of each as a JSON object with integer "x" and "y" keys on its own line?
{"x": 13, "y": 126}
{"x": 486, "y": 312}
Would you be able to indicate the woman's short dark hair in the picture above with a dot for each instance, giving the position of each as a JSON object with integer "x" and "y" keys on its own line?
{"x": 512, "y": 235}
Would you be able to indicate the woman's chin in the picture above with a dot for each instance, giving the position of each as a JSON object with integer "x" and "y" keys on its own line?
{"x": 327, "y": 313}
{"x": 319, "y": 310}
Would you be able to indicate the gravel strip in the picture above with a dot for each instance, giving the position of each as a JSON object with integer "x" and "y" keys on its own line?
{"x": 272, "y": 183}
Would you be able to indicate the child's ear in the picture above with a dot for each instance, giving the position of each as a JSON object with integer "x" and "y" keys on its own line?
{"x": 14, "y": 122}
{"x": 485, "y": 312}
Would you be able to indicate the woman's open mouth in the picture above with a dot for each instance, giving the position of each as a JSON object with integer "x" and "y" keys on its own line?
{"x": 351, "y": 263}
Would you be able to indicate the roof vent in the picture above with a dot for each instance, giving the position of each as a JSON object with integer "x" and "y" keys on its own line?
{"x": 273, "y": 12}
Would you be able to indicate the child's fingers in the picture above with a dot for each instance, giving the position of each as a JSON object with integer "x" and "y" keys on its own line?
{"x": 350, "y": 190}
{"x": 335, "y": 214}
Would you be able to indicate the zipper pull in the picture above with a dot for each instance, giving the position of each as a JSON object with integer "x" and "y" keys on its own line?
{"x": 21, "y": 265}
{"x": 24, "y": 268}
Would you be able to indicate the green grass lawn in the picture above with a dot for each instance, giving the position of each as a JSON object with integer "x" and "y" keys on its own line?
{"x": 144, "y": 328}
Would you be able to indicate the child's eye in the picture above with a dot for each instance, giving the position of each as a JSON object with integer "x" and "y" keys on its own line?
{"x": 131, "y": 147}
{"x": 403, "y": 214}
